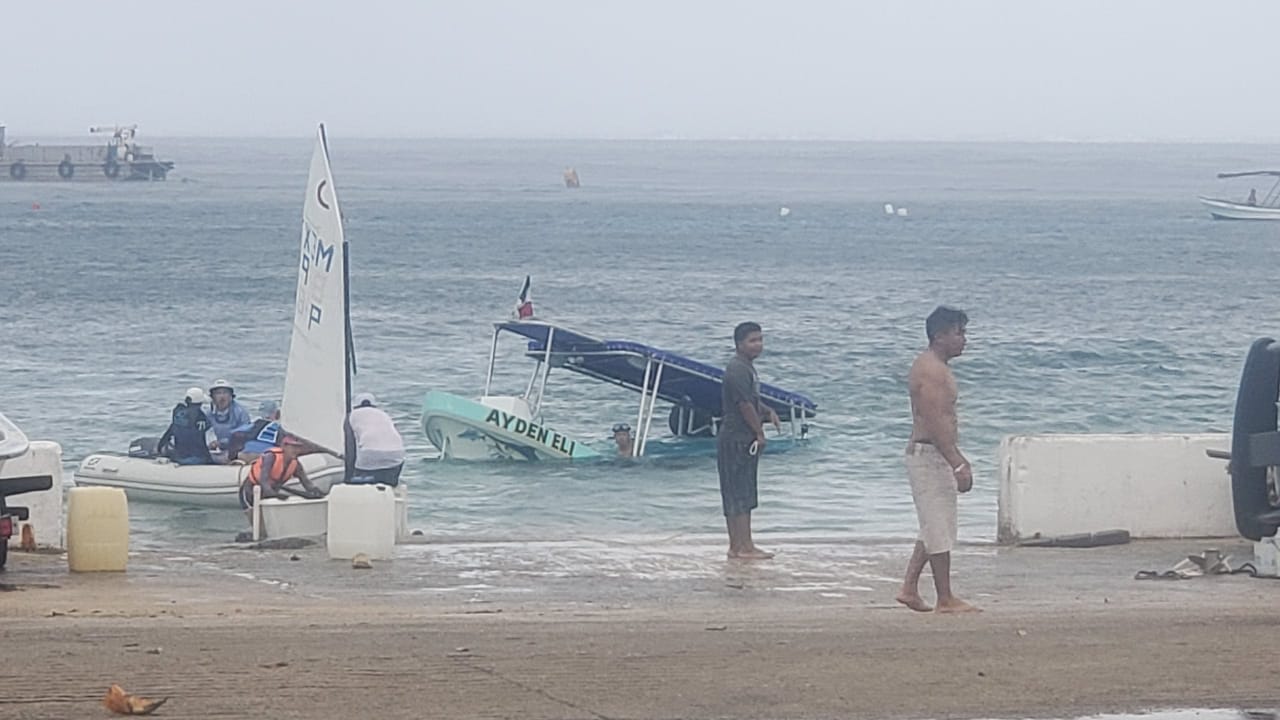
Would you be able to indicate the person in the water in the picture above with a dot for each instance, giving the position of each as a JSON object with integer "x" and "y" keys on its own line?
{"x": 623, "y": 439}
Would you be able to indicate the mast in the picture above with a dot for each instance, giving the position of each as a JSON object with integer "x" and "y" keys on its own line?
{"x": 349, "y": 356}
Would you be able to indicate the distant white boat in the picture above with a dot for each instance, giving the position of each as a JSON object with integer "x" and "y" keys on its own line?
{"x": 784, "y": 211}
{"x": 1228, "y": 210}
{"x": 1268, "y": 208}
{"x": 888, "y": 208}
{"x": 902, "y": 212}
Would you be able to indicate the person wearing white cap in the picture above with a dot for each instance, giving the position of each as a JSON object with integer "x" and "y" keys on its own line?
{"x": 226, "y": 415}
{"x": 187, "y": 439}
{"x": 375, "y": 450}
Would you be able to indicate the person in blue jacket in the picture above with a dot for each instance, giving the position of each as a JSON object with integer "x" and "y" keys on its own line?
{"x": 190, "y": 432}
{"x": 250, "y": 441}
{"x": 226, "y": 414}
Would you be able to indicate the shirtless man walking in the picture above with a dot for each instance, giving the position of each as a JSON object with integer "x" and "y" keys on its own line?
{"x": 935, "y": 465}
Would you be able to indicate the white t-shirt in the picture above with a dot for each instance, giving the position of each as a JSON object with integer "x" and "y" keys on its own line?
{"x": 378, "y": 443}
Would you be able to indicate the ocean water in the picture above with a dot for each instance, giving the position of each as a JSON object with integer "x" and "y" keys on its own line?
{"x": 1102, "y": 298}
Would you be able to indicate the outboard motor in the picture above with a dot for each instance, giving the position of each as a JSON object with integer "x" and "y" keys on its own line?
{"x": 144, "y": 447}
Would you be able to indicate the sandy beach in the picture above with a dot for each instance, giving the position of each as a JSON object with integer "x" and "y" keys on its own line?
{"x": 257, "y": 634}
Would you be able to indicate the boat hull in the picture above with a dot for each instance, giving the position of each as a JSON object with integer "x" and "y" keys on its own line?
{"x": 159, "y": 480}
{"x": 464, "y": 429}
{"x": 1227, "y": 210}
{"x": 307, "y": 518}
{"x": 294, "y": 517}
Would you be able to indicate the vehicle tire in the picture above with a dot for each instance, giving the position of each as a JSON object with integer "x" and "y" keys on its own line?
{"x": 18, "y": 170}
{"x": 66, "y": 170}
{"x": 111, "y": 169}
{"x": 1255, "y": 413}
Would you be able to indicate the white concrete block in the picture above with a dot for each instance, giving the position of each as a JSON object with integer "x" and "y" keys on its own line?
{"x": 1266, "y": 557}
{"x": 41, "y": 458}
{"x": 1154, "y": 486}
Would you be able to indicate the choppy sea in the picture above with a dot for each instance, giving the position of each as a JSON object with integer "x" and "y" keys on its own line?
{"x": 1102, "y": 298}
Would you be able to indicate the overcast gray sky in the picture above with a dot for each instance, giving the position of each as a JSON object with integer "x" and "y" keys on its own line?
{"x": 909, "y": 69}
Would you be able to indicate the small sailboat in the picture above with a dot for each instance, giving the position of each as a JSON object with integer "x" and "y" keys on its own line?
{"x": 317, "y": 383}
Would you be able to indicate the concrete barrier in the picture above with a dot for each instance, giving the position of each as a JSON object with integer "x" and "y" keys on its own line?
{"x": 1154, "y": 486}
{"x": 41, "y": 458}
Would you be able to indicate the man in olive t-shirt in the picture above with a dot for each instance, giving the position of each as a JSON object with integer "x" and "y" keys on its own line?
{"x": 740, "y": 440}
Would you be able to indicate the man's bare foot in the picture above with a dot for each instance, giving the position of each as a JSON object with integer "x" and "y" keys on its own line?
{"x": 913, "y": 601}
{"x": 754, "y": 553}
{"x": 955, "y": 605}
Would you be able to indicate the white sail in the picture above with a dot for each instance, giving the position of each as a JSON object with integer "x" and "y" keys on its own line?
{"x": 316, "y": 381}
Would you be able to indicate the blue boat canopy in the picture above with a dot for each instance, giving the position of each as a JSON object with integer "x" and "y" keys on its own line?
{"x": 683, "y": 382}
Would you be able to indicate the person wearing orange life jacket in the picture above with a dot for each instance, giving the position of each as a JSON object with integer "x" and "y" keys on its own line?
{"x": 274, "y": 468}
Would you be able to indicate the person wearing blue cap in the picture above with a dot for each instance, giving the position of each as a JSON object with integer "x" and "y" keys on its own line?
{"x": 374, "y": 448}
{"x": 250, "y": 441}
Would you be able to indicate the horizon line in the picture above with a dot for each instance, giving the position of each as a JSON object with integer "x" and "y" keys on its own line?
{"x": 676, "y": 138}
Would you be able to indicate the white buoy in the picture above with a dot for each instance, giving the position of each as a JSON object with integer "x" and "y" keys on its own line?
{"x": 902, "y": 212}
{"x": 784, "y": 211}
{"x": 888, "y": 208}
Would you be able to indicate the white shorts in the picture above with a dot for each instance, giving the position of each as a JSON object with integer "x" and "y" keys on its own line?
{"x": 933, "y": 488}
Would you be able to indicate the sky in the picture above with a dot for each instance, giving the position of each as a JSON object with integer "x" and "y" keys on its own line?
{"x": 1018, "y": 70}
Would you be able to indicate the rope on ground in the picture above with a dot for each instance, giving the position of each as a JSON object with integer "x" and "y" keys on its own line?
{"x": 1252, "y": 571}
{"x": 1184, "y": 571}
{"x": 1156, "y": 575}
